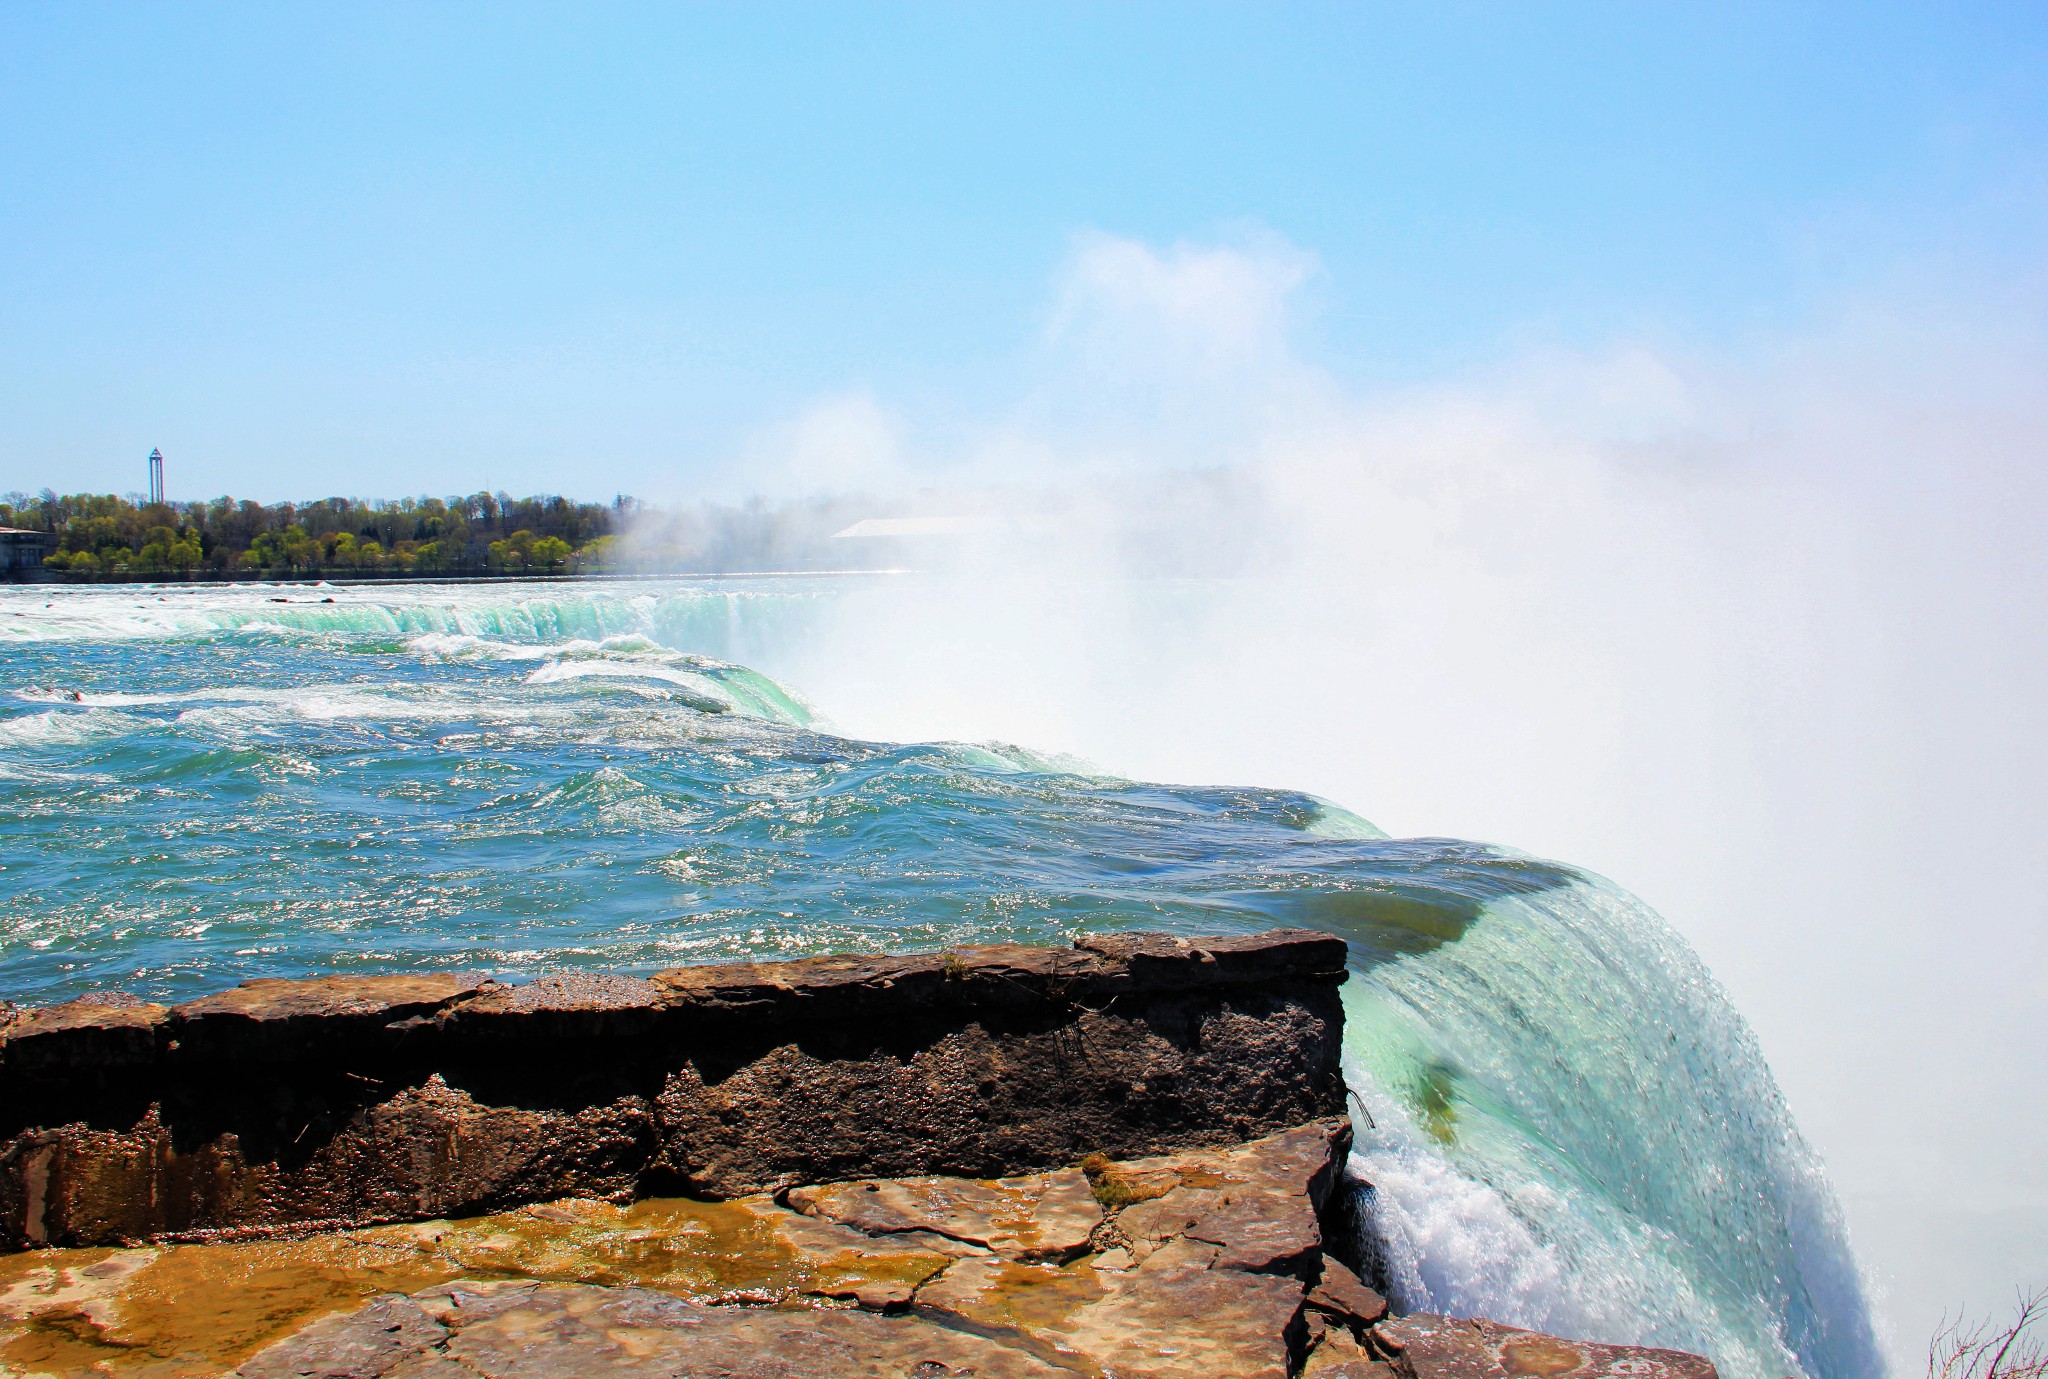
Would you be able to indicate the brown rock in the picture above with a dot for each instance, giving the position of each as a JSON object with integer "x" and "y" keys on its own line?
{"x": 1258, "y": 1202}
{"x": 568, "y": 1005}
{"x": 995, "y": 1296}
{"x": 424, "y": 1151}
{"x": 1039, "y": 1216}
{"x": 94, "y": 1032}
{"x": 1001, "y": 975}
{"x": 1432, "y": 1347}
{"x": 571, "y": 1331}
{"x": 1341, "y": 1293}
{"x": 697, "y": 1285}
{"x": 824, "y": 987}
{"x": 270, "y": 1018}
{"x": 1187, "y": 1323}
{"x": 364, "y": 1344}
{"x": 1334, "y": 1353}
{"x": 1203, "y": 1287}
{"x": 989, "y": 1096}
{"x": 1170, "y": 1319}
{"x": 295, "y": 1105}
{"x": 1162, "y": 958}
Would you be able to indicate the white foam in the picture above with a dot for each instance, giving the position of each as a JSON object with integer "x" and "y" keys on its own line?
{"x": 701, "y": 687}
{"x": 67, "y": 728}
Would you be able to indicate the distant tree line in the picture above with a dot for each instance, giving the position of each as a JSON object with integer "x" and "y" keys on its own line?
{"x": 486, "y": 533}
{"x": 102, "y": 536}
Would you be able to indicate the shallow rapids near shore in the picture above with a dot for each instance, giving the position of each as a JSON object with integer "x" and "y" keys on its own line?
{"x": 1570, "y": 1128}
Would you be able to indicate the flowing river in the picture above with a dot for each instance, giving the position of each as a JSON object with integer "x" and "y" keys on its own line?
{"x": 1566, "y": 1124}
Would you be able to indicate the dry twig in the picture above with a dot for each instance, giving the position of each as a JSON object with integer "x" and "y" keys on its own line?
{"x": 2016, "y": 1350}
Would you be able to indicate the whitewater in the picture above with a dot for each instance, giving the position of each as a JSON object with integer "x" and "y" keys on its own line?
{"x": 1565, "y": 1123}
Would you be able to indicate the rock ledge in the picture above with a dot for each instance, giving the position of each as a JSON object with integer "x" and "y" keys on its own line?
{"x": 284, "y": 1106}
{"x": 1209, "y": 1262}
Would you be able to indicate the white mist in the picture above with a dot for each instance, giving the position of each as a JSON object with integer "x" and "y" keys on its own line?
{"x": 1759, "y": 638}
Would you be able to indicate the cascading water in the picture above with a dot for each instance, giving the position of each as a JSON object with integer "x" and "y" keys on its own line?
{"x": 1575, "y": 1132}
{"x": 1570, "y": 1127}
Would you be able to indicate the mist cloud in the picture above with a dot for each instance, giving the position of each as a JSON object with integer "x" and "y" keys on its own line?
{"x": 1754, "y": 631}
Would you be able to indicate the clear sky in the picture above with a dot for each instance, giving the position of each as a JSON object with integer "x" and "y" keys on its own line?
{"x": 379, "y": 249}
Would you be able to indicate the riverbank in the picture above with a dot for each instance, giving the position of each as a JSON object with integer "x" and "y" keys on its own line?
{"x": 1123, "y": 1158}
{"x": 348, "y": 578}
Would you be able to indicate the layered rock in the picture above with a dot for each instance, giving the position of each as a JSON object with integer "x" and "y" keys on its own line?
{"x": 297, "y": 1105}
{"x": 1431, "y": 1347}
{"x": 1205, "y": 1263}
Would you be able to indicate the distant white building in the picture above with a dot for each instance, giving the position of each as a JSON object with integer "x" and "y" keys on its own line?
{"x": 21, "y": 552}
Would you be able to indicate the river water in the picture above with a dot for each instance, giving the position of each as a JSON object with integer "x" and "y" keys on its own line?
{"x": 1569, "y": 1126}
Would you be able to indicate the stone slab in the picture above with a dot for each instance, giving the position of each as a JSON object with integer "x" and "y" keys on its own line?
{"x": 110, "y": 1031}
{"x": 1257, "y": 1202}
{"x": 571, "y": 1331}
{"x": 1434, "y": 1347}
{"x": 924, "y": 1278}
{"x": 1043, "y": 1216}
{"x": 274, "y": 1019}
{"x": 1341, "y": 1294}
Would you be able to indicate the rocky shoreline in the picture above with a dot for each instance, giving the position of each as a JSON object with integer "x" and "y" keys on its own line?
{"x": 1210, "y": 1262}
{"x": 1121, "y": 1159}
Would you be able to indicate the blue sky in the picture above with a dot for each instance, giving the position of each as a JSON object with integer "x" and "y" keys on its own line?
{"x": 386, "y": 249}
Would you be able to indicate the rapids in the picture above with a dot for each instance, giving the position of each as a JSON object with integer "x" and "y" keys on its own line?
{"x": 1566, "y": 1124}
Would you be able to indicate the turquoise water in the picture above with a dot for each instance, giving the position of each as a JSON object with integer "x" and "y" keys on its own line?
{"x": 1570, "y": 1126}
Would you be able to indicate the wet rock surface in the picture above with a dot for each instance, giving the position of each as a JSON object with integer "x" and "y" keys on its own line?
{"x": 1037, "y": 1218}
{"x": 1205, "y": 1263}
{"x": 571, "y": 1330}
{"x": 1431, "y": 1347}
{"x": 284, "y": 1106}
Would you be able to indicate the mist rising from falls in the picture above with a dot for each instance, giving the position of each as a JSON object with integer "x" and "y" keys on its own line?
{"x": 1753, "y": 630}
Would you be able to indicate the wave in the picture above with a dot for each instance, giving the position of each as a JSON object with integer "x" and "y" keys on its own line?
{"x": 706, "y": 685}
{"x": 69, "y": 727}
{"x": 724, "y": 617}
{"x": 460, "y": 646}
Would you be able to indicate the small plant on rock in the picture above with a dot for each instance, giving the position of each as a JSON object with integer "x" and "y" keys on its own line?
{"x": 1115, "y": 1186}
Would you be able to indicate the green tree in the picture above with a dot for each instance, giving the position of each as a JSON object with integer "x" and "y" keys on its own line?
{"x": 513, "y": 554}
{"x": 550, "y": 553}
{"x": 598, "y": 554}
